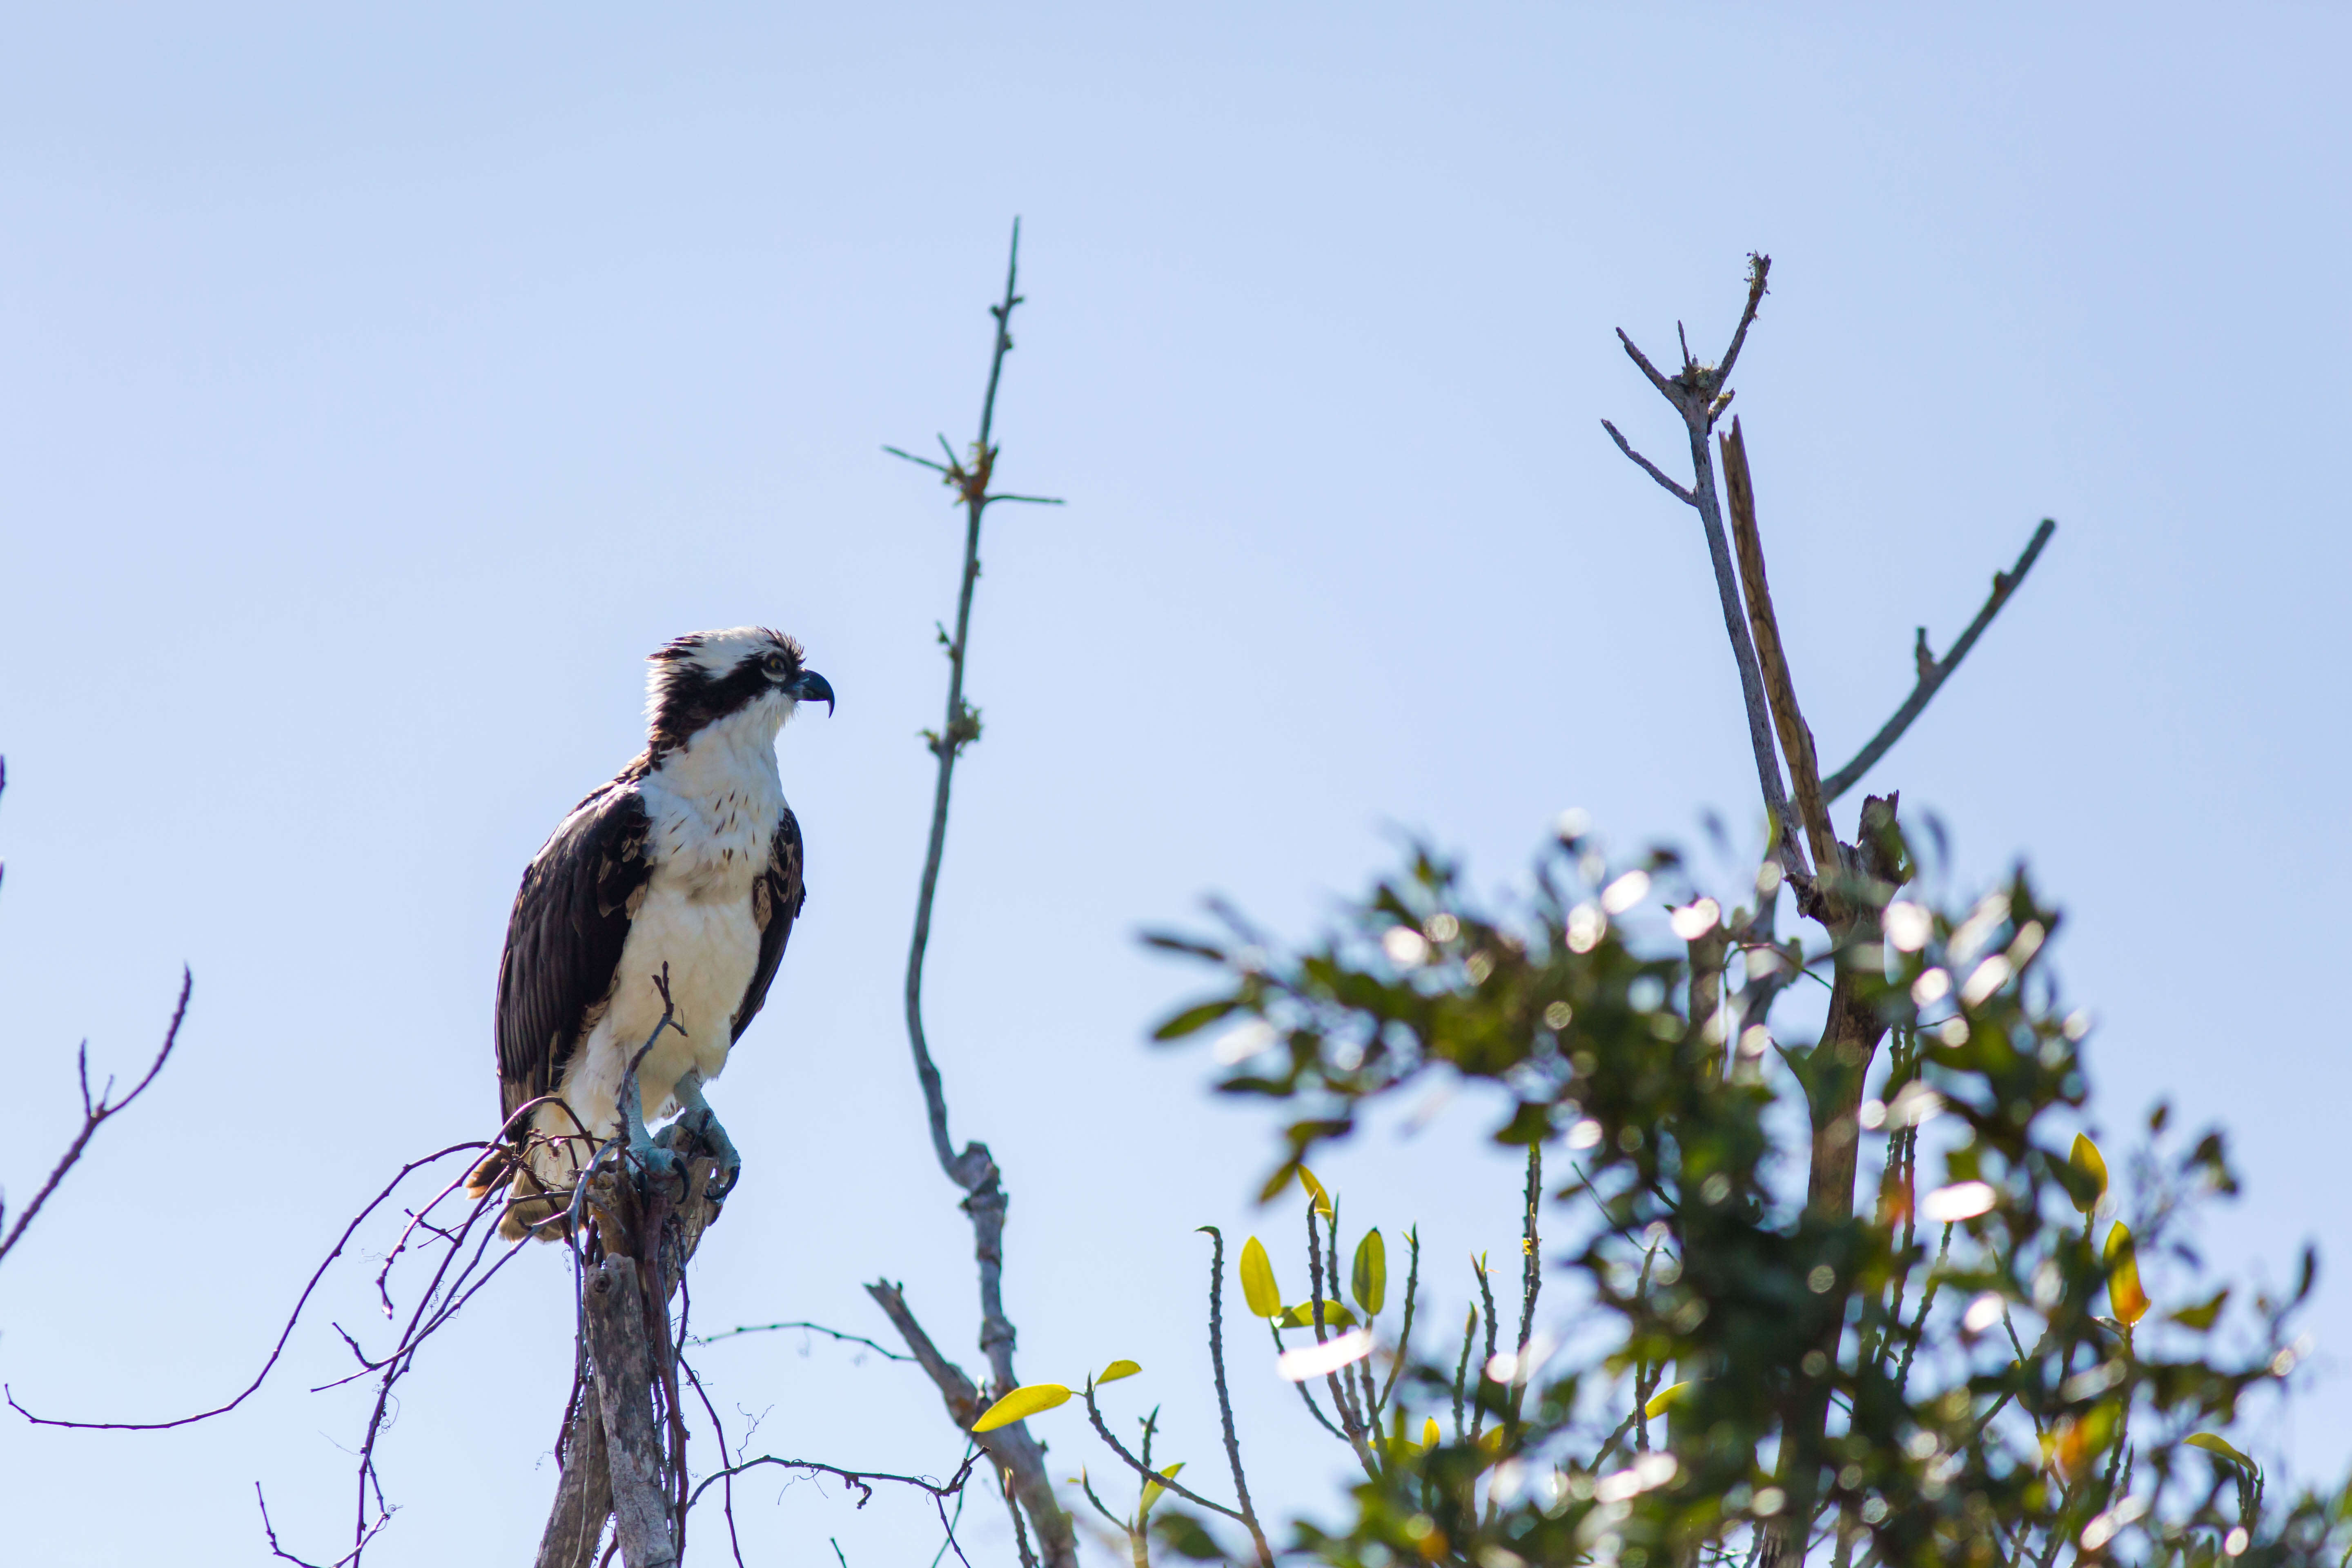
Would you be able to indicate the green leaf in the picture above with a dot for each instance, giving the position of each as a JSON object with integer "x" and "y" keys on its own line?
{"x": 1322, "y": 1200}
{"x": 1020, "y": 1403}
{"x": 2086, "y": 1159}
{"x": 1153, "y": 1491}
{"x": 1258, "y": 1288}
{"x": 1335, "y": 1316}
{"x": 1276, "y": 1183}
{"x": 1665, "y": 1398}
{"x": 2221, "y": 1449}
{"x": 2124, "y": 1293}
{"x": 1195, "y": 1018}
{"x": 1369, "y": 1279}
{"x": 2202, "y": 1315}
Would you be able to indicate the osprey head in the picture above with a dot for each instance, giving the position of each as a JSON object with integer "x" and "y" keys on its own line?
{"x": 703, "y": 677}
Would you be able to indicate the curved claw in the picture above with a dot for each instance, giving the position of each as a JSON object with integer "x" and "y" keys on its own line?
{"x": 698, "y": 1119}
{"x": 730, "y": 1162}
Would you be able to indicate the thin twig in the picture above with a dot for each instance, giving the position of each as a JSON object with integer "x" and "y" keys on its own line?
{"x": 880, "y": 1350}
{"x": 96, "y": 1113}
{"x": 285, "y": 1335}
{"x": 1934, "y": 672}
{"x": 1102, "y": 1429}
{"x": 863, "y": 1480}
{"x": 1225, "y": 1401}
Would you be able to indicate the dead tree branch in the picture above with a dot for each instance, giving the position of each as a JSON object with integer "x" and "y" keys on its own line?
{"x": 1700, "y": 392}
{"x": 1779, "y": 687}
{"x": 96, "y": 1112}
{"x": 1010, "y": 1449}
{"x": 1933, "y": 671}
{"x": 973, "y": 1169}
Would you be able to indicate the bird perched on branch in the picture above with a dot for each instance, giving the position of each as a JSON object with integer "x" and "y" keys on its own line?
{"x": 673, "y": 887}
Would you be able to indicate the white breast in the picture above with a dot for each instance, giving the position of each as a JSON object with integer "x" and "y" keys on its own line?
{"x": 712, "y": 810}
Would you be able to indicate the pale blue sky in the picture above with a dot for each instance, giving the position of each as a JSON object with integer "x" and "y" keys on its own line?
{"x": 376, "y": 389}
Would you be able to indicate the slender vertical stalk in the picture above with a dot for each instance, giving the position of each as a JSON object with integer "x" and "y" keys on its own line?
{"x": 974, "y": 1168}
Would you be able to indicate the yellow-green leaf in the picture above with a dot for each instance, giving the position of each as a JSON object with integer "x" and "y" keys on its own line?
{"x": 1258, "y": 1288}
{"x": 2087, "y": 1159}
{"x": 1117, "y": 1369}
{"x": 1020, "y": 1403}
{"x": 1430, "y": 1435}
{"x": 2123, "y": 1294}
{"x": 1665, "y": 1397}
{"x": 2221, "y": 1449}
{"x": 1275, "y": 1183}
{"x": 2202, "y": 1315}
{"x": 1153, "y": 1490}
{"x": 1322, "y": 1200}
{"x": 1369, "y": 1278}
{"x": 1335, "y": 1316}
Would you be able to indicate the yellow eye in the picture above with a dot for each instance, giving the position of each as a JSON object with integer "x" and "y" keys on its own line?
{"x": 775, "y": 665}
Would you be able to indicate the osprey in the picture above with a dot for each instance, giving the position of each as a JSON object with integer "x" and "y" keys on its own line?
{"x": 684, "y": 873}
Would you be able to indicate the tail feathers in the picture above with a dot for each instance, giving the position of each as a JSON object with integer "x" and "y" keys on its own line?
{"x": 529, "y": 1209}
{"x": 531, "y": 1202}
{"x": 496, "y": 1168}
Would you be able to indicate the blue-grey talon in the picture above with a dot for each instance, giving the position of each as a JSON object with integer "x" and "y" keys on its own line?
{"x": 654, "y": 1157}
{"x": 697, "y": 1117}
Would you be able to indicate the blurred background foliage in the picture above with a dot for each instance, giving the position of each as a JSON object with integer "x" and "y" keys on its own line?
{"x": 1998, "y": 1384}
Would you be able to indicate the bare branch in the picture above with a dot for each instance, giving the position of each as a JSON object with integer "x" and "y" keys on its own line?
{"x": 1649, "y": 467}
{"x": 925, "y": 462}
{"x": 624, "y": 1383}
{"x": 881, "y": 1350}
{"x": 1225, "y": 1403}
{"x": 1780, "y": 686}
{"x": 862, "y": 1480}
{"x": 1102, "y": 1429}
{"x": 95, "y": 1114}
{"x": 1698, "y": 395}
{"x": 285, "y": 1556}
{"x": 974, "y": 1168}
{"x": 1012, "y": 1450}
{"x": 1664, "y": 387}
{"x": 1759, "y": 267}
{"x": 285, "y": 1335}
{"x": 1934, "y": 672}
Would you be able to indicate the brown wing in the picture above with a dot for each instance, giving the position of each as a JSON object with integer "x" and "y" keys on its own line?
{"x": 776, "y": 901}
{"x": 571, "y": 919}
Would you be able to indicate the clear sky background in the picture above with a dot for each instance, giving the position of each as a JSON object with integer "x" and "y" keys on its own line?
{"x": 377, "y": 388}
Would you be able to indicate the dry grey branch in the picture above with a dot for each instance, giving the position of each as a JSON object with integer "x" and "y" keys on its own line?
{"x": 1225, "y": 1401}
{"x": 584, "y": 1494}
{"x": 1010, "y": 1449}
{"x": 1699, "y": 394}
{"x": 973, "y": 1169}
{"x": 1934, "y": 672}
{"x": 1102, "y": 1429}
{"x": 633, "y": 1444}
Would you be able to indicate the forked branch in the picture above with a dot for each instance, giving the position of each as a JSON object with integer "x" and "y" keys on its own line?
{"x": 1700, "y": 392}
{"x": 95, "y": 1113}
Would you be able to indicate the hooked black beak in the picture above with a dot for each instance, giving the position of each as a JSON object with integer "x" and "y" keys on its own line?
{"x": 810, "y": 687}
